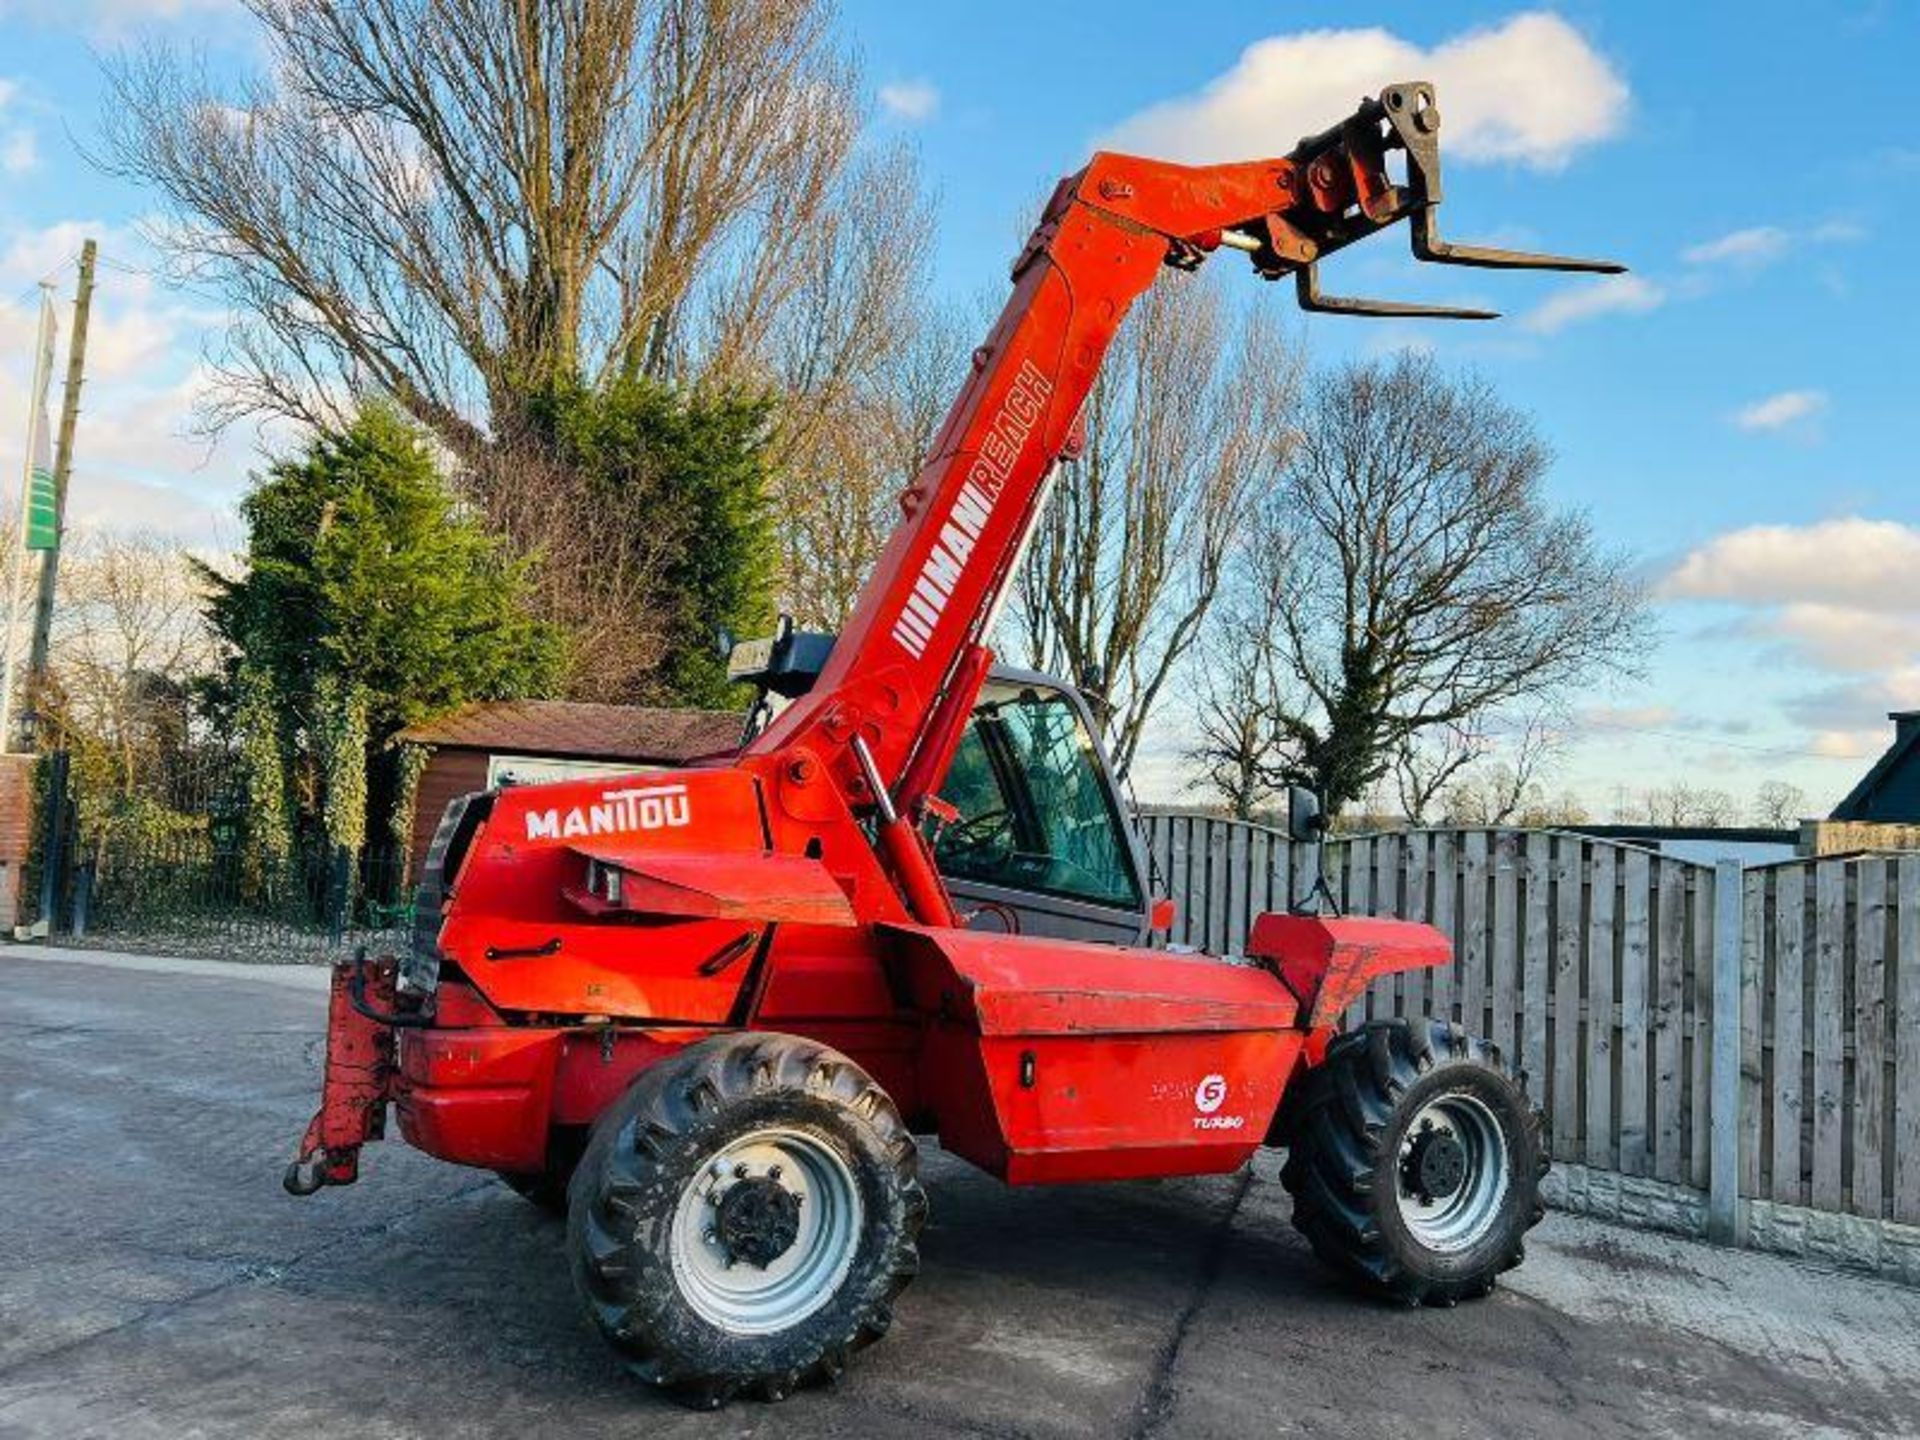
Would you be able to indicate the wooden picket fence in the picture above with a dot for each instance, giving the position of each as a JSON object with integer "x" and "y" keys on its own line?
{"x": 1595, "y": 965}
{"x": 1830, "y": 1035}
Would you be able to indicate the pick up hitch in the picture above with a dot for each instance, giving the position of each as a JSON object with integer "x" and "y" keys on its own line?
{"x": 359, "y": 1076}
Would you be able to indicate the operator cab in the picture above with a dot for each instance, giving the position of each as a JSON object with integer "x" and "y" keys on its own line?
{"x": 1041, "y": 843}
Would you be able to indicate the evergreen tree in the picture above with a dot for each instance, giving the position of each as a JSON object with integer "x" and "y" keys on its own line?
{"x": 369, "y": 601}
{"x": 691, "y": 466}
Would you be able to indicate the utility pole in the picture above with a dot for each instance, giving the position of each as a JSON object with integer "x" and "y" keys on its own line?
{"x": 30, "y": 472}
{"x": 62, "y": 469}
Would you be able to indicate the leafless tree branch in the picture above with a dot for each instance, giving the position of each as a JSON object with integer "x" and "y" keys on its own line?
{"x": 1188, "y": 419}
{"x": 1415, "y": 582}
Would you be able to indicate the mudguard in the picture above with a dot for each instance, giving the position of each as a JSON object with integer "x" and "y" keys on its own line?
{"x": 1328, "y": 962}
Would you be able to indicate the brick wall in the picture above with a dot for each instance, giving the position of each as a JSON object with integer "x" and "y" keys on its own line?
{"x": 16, "y": 832}
{"x": 1845, "y": 837}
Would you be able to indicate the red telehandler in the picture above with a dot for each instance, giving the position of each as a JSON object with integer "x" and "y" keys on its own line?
{"x": 709, "y": 1010}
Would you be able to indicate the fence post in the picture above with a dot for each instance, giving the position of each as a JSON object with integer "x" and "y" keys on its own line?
{"x": 53, "y": 842}
{"x": 82, "y": 898}
{"x": 339, "y": 892}
{"x": 1723, "y": 1193}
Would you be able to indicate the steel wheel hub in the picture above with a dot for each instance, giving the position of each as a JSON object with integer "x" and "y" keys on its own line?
{"x": 1435, "y": 1167}
{"x": 759, "y": 1221}
{"x": 766, "y": 1232}
{"x": 1453, "y": 1173}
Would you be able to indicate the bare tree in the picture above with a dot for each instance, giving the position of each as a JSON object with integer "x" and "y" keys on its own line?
{"x": 470, "y": 206}
{"x": 1428, "y": 767}
{"x": 1414, "y": 579}
{"x": 459, "y": 202}
{"x": 129, "y": 639}
{"x": 842, "y": 477}
{"x": 1779, "y": 805}
{"x": 1188, "y": 417}
{"x": 1680, "y": 804}
{"x": 1235, "y": 724}
{"x": 1242, "y": 695}
{"x": 848, "y": 325}
{"x": 1710, "y": 807}
{"x": 1478, "y": 777}
{"x": 595, "y": 575}
{"x": 1543, "y": 810}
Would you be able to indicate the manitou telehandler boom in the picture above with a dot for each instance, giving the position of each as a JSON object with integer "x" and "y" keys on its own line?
{"x": 709, "y": 1010}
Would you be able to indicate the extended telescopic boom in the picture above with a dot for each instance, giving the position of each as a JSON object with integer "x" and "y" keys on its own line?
{"x": 908, "y": 661}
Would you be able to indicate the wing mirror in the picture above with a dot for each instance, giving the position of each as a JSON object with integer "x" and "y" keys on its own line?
{"x": 1306, "y": 824}
{"x": 1161, "y": 915}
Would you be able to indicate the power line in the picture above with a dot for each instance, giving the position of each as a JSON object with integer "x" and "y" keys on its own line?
{"x": 52, "y": 277}
{"x": 1778, "y": 751}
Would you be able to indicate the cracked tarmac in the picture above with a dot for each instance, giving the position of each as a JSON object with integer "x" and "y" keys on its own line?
{"x": 156, "y": 1281}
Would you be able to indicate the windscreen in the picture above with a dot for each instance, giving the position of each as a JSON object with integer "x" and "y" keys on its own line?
{"x": 1035, "y": 813}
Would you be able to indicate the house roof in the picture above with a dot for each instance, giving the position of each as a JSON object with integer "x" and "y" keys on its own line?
{"x": 1905, "y": 747}
{"x": 575, "y": 730}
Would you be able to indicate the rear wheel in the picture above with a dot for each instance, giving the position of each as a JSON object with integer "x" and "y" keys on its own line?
{"x": 744, "y": 1217}
{"x": 1415, "y": 1160}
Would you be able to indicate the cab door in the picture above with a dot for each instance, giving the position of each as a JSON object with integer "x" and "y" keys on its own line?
{"x": 1041, "y": 844}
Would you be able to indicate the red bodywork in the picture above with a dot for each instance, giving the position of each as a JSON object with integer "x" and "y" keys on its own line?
{"x": 592, "y": 927}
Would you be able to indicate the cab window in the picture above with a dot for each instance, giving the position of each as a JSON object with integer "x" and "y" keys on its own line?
{"x": 1034, "y": 812}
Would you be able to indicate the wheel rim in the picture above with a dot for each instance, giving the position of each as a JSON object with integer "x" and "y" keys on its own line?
{"x": 1453, "y": 1173}
{"x": 772, "y": 1190}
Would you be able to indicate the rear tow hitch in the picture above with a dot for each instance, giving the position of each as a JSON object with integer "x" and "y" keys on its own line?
{"x": 359, "y": 1075}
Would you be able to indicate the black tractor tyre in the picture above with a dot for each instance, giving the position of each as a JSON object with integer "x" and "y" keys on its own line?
{"x": 792, "y": 1151}
{"x": 1414, "y": 1161}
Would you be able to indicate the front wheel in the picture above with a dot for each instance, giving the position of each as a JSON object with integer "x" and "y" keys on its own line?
{"x": 1415, "y": 1160}
{"x": 744, "y": 1217}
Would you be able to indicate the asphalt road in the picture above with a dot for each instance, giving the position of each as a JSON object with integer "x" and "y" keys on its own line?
{"x": 155, "y": 1281}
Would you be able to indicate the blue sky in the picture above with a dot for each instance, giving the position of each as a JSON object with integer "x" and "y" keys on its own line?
{"x": 1739, "y": 415}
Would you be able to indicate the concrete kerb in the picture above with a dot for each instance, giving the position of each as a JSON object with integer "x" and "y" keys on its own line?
{"x": 1883, "y": 1248}
{"x": 296, "y": 977}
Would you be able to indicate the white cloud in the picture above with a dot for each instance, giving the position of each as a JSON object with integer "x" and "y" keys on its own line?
{"x": 20, "y": 152}
{"x": 33, "y": 255}
{"x": 136, "y": 329}
{"x": 137, "y": 461}
{"x": 1849, "y": 717}
{"x": 1847, "y": 744}
{"x": 914, "y": 100}
{"x": 1776, "y": 412}
{"x": 1842, "y": 596}
{"x": 1846, "y": 703}
{"x": 1757, "y": 245}
{"x": 19, "y": 146}
{"x": 1848, "y": 639}
{"x": 1834, "y": 232}
{"x": 1530, "y": 90}
{"x": 1871, "y": 565}
{"x": 1611, "y": 295}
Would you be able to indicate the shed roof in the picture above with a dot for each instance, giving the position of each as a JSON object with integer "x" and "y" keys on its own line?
{"x": 576, "y": 730}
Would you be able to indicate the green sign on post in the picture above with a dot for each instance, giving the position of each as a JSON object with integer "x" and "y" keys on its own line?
{"x": 43, "y": 511}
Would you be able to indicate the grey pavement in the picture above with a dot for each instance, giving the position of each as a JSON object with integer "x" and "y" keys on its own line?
{"x": 155, "y": 1281}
